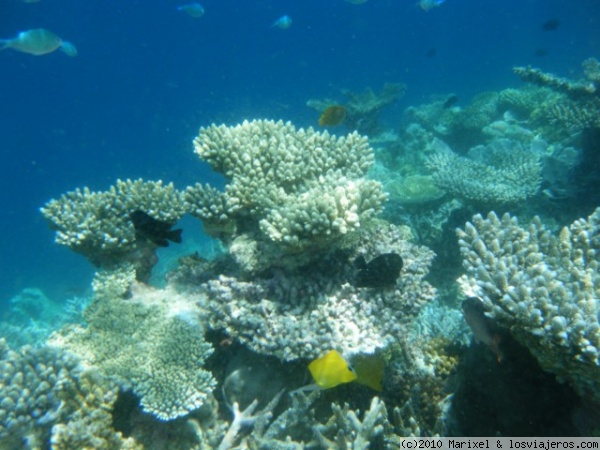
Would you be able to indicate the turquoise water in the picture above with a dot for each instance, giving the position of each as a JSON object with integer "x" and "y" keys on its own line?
{"x": 145, "y": 76}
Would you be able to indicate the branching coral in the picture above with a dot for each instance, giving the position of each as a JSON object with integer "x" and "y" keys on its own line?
{"x": 501, "y": 172}
{"x": 295, "y": 190}
{"x": 543, "y": 288}
{"x": 305, "y": 314}
{"x": 47, "y": 397}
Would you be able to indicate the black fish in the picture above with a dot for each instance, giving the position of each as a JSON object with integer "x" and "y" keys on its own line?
{"x": 540, "y": 52}
{"x": 155, "y": 231}
{"x": 450, "y": 101}
{"x": 551, "y": 25}
{"x": 381, "y": 271}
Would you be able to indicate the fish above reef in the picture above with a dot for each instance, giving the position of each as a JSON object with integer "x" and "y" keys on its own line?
{"x": 284, "y": 22}
{"x": 331, "y": 370}
{"x": 551, "y": 24}
{"x": 450, "y": 101}
{"x": 153, "y": 230}
{"x": 483, "y": 328}
{"x": 194, "y": 10}
{"x": 332, "y": 116}
{"x": 38, "y": 42}
{"x": 381, "y": 271}
{"x": 426, "y": 5}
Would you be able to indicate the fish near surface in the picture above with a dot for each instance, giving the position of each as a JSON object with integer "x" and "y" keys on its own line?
{"x": 381, "y": 271}
{"x": 35, "y": 42}
{"x": 38, "y": 42}
{"x": 284, "y": 22}
{"x": 426, "y": 5}
{"x": 194, "y": 10}
{"x": 483, "y": 328}
{"x": 153, "y": 230}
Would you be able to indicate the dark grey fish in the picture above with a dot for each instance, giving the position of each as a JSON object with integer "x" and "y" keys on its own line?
{"x": 381, "y": 271}
{"x": 551, "y": 24}
{"x": 484, "y": 330}
{"x": 153, "y": 230}
{"x": 450, "y": 101}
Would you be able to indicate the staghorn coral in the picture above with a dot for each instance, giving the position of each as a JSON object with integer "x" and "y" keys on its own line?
{"x": 290, "y": 190}
{"x": 501, "y": 172}
{"x": 304, "y": 314}
{"x": 543, "y": 288}
{"x": 97, "y": 224}
{"x": 571, "y": 88}
{"x": 161, "y": 348}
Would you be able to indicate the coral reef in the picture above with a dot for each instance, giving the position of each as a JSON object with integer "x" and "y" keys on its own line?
{"x": 569, "y": 105}
{"x": 501, "y": 172}
{"x": 290, "y": 191}
{"x": 543, "y": 288}
{"x": 48, "y": 397}
{"x": 304, "y": 314}
{"x": 161, "y": 348}
{"x": 98, "y": 224}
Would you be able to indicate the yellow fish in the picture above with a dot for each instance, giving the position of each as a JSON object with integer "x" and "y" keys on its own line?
{"x": 331, "y": 370}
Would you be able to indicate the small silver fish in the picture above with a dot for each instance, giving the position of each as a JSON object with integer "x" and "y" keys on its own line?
{"x": 284, "y": 22}
{"x": 38, "y": 42}
{"x": 194, "y": 10}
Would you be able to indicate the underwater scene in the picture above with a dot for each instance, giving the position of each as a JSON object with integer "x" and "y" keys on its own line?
{"x": 293, "y": 224}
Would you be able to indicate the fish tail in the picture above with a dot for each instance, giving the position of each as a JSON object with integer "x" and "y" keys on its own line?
{"x": 4, "y": 43}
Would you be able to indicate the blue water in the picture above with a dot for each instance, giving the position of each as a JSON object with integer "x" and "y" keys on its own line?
{"x": 148, "y": 76}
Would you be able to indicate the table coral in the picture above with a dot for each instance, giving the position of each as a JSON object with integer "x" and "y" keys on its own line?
{"x": 97, "y": 224}
{"x": 292, "y": 190}
{"x": 543, "y": 288}
{"x": 161, "y": 349}
{"x": 501, "y": 172}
